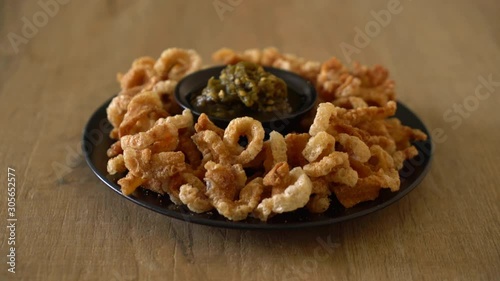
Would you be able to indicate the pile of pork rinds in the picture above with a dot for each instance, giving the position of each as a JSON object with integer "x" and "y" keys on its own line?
{"x": 350, "y": 148}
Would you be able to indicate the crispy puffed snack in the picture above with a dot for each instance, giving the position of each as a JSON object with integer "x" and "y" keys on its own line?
{"x": 158, "y": 76}
{"x": 227, "y": 190}
{"x": 271, "y": 57}
{"x": 352, "y": 146}
{"x": 140, "y": 74}
{"x": 293, "y": 189}
{"x": 275, "y": 151}
{"x": 175, "y": 63}
{"x": 193, "y": 194}
{"x": 336, "y": 84}
{"x": 150, "y": 156}
{"x": 320, "y": 196}
{"x": 376, "y": 148}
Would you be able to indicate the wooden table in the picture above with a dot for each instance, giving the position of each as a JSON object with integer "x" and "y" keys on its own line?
{"x": 58, "y": 64}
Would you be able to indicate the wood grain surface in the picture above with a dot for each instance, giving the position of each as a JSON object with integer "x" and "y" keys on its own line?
{"x": 56, "y": 73}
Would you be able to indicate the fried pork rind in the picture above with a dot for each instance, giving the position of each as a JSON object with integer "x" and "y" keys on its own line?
{"x": 275, "y": 151}
{"x": 290, "y": 191}
{"x": 327, "y": 164}
{"x": 149, "y": 167}
{"x": 226, "y": 149}
{"x": 175, "y": 63}
{"x": 188, "y": 147}
{"x": 212, "y": 147}
{"x": 330, "y": 117}
{"x": 142, "y": 112}
{"x": 376, "y": 148}
{"x": 271, "y": 57}
{"x": 354, "y": 146}
{"x": 229, "y": 56}
{"x": 146, "y": 165}
{"x": 130, "y": 183}
{"x": 165, "y": 90}
{"x": 115, "y": 149}
{"x": 204, "y": 124}
{"x": 150, "y": 156}
{"x": 295, "y": 144}
{"x": 116, "y": 165}
{"x": 193, "y": 194}
{"x": 140, "y": 74}
{"x": 335, "y": 83}
{"x": 163, "y": 136}
{"x": 321, "y": 143}
{"x": 118, "y": 107}
{"x": 244, "y": 127}
{"x": 228, "y": 193}
{"x": 320, "y": 196}
{"x": 158, "y": 76}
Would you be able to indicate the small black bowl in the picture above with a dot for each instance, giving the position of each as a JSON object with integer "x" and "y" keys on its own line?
{"x": 280, "y": 122}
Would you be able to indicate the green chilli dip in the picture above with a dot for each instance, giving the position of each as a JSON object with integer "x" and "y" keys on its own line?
{"x": 244, "y": 89}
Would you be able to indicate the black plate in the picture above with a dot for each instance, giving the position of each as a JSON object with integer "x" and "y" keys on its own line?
{"x": 96, "y": 141}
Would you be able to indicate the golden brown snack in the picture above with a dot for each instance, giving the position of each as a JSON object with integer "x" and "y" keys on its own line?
{"x": 146, "y": 165}
{"x": 353, "y": 148}
{"x": 364, "y": 133}
{"x": 275, "y": 151}
{"x": 244, "y": 127}
{"x": 336, "y": 83}
{"x": 228, "y": 193}
{"x": 140, "y": 74}
{"x": 142, "y": 112}
{"x": 320, "y": 196}
{"x": 116, "y": 165}
{"x": 193, "y": 194}
{"x": 271, "y": 57}
{"x": 295, "y": 187}
{"x": 150, "y": 157}
{"x": 212, "y": 147}
{"x": 327, "y": 164}
{"x": 130, "y": 183}
{"x": 160, "y": 77}
{"x": 329, "y": 116}
{"x": 205, "y": 124}
{"x": 320, "y": 144}
{"x": 163, "y": 136}
{"x": 188, "y": 147}
{"x": 118, "y": 107}
{"x": 175, "y": 63}
{"x": 367, "y": 189}
{"x": 379, "y": 172}
{"x": 165, "y": 89}
{"x": 295, "y": 144}
{"x": 115, "y": 149}
{"x": 229, "y": 56}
